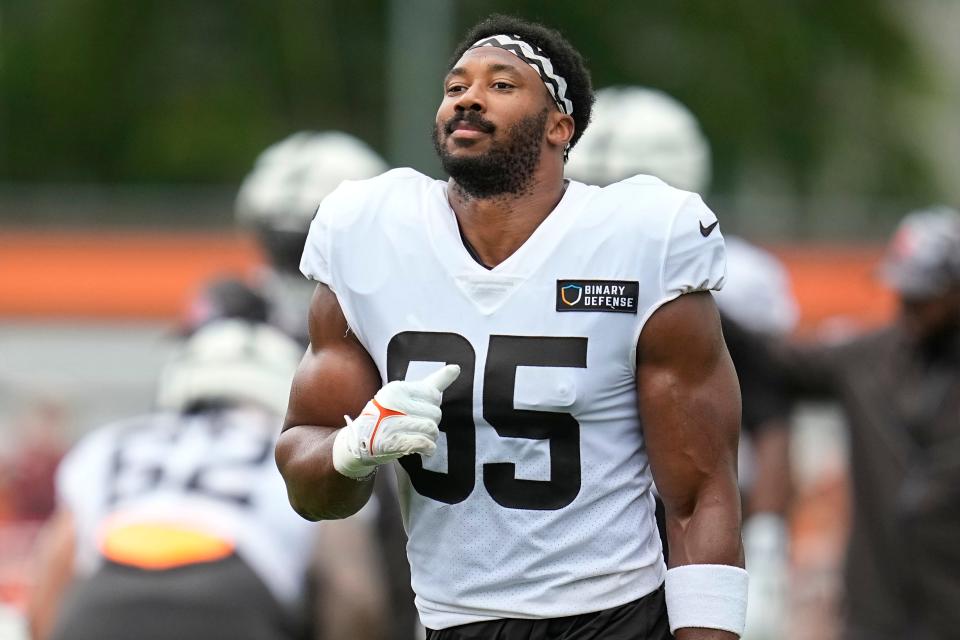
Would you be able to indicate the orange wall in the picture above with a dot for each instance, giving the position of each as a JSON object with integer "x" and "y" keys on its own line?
{"x": 837, "y": 282}
{"x": 144, "y": 275}
{"x": 112, "y": 274}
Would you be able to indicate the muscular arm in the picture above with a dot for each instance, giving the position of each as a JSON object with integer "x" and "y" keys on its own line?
{"x": 690, "y": 404}
{"x": 335, "y": 378}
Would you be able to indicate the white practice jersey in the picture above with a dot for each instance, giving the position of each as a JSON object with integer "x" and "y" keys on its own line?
{"x": 211, "y": 473}
{"x": 537, "y": 503}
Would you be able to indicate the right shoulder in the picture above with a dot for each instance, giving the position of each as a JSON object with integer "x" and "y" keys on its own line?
{"x": 359, "y": 199}
{"x": 359, "y": 211}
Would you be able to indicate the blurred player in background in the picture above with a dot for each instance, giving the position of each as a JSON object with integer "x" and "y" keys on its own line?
{"x": 638, "y": 130}
{"x": 177, "y": 525}
{"x": 277, "y": 200}
{"x": 900, "y": 390}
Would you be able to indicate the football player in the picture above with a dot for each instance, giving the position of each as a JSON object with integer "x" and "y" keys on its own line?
{"x": 533, "y": 352}
{"x": 176, "y": 524}
{"x": 639, "y": 130}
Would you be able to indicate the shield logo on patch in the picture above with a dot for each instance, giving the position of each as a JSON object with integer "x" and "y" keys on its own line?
{"x": 571, "y": 294}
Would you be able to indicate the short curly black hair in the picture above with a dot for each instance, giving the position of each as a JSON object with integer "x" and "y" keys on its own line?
{"x": 566, "y": 60}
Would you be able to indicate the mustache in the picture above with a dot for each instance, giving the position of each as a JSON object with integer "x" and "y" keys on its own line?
{"x": 472, "y": 118}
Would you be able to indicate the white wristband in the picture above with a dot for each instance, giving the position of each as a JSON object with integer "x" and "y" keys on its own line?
{"x": 711, "y": 596}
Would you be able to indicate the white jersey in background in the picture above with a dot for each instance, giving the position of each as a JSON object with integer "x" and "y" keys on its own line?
{"x": 169, "y": 489}
{"x": 538, "y": 501}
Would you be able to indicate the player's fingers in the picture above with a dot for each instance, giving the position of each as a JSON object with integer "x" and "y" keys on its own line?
{"x": 418, "y": 444}
{"x": 443, "y": 378}
{"x": 418, "y": 403}
{"x": 425, "y": 410}
{"x": 396, "y": 445}
{"x": 402, "y": 425}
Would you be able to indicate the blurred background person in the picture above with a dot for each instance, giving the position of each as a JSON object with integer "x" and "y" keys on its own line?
{"x": 900, "y": 391}
{"x": 639, "y": 130}
{"x": 277, "y": 201}
{"x": 176, "y": 524}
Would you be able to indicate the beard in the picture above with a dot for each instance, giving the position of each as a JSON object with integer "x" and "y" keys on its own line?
{"x": 506, "y": 168}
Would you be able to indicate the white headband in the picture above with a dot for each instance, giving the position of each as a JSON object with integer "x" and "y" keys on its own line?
{"x": 533, "y": 56}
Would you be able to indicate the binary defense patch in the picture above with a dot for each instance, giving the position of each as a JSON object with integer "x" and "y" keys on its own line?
{"x": 616, "y": 296}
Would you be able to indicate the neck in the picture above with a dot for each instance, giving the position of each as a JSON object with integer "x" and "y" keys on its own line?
{"x": 499, "y": 225}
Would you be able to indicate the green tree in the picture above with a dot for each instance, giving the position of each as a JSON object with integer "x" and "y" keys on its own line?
{"x": 176, "y": 90}
{"x": 173, "y": 90}
{"x": 766, "y": 79}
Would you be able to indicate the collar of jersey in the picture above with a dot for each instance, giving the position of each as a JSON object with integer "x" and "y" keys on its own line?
{"x": 546, "y": 239}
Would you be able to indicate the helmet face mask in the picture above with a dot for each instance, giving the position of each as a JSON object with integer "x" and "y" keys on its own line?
{"x": 281, "y": 247}
{"x": 636, "y": 130}
{"x": 280, "y": 196}
{"x": 224, "y": 298}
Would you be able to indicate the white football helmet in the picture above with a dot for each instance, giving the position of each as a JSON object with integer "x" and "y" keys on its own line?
{"x": 231, "y": 361}
{"x": 291, "y": 177}
{"x": 636, "y": 130}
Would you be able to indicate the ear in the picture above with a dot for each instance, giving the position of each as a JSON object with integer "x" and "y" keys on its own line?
{"x": 560, "y": 129}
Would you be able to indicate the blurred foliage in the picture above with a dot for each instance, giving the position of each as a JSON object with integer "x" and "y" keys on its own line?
{"x": 766, "y": 79}
{"x": 177, "y": 90}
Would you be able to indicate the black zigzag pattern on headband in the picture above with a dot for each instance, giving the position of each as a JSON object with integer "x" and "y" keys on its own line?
{"x": 534, "y": 56}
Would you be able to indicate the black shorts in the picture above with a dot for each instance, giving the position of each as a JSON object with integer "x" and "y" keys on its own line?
{"x": 222, "y": 599}
{"x": 643, "y": 619}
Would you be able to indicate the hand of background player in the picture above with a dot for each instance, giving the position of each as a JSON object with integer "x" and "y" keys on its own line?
{"x": 401, "y": 419}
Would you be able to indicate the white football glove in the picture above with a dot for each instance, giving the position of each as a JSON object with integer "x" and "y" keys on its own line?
{"x": 765, "y": 545}
{"x": 401, "y": 419}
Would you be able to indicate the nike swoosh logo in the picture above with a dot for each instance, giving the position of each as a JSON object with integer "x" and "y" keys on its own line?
{"x": 705, "y": 231}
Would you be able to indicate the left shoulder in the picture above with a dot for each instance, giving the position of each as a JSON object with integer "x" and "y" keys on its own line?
{"x": 651, "y": 206}
{"x": 643, "y": 190}
{"x": 677, "y": 232}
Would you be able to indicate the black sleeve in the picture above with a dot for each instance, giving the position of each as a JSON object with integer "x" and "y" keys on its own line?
{"x": 762, "y": 385}
{"x": 812, "y": 371}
